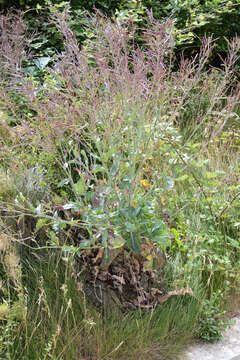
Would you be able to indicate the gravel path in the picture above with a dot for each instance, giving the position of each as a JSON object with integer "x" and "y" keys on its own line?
{"x": 226, "y": 349}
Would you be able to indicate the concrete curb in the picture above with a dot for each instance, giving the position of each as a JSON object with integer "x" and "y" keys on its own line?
{"x": 226, "y": 349}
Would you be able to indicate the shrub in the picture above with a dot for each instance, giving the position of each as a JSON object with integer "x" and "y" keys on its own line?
{"x": 116, "y": 159}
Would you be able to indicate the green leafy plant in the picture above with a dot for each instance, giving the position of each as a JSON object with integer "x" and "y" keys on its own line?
{"x": 212, "y": 321}
{"x": 119, "y": 187}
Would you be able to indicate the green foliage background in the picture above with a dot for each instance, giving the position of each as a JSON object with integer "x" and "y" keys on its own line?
{"x": 193, "y": 20}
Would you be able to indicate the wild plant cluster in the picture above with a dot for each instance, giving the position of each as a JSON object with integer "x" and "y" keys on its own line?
{"x": 119, "y": 172}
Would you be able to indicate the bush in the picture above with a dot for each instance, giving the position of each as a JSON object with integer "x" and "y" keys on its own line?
{"x": 115, "y": 159}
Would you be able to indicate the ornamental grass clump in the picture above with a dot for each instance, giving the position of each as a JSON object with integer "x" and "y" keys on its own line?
{"x": 115, "y": 187}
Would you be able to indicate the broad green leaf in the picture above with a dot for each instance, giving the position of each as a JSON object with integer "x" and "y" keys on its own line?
{"x": 130, "y": 227}
{"x": 134, "y": 244}
{"x": 163, "y": 241}
{"x": 105, "y": 238}
{"x": 159, "y": 227}
{"x": 130, "y": 212}
{"x": 42, "y": 62}
{"x": 30, "y": 70}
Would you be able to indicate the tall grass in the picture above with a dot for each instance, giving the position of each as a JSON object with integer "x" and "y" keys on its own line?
{"x": 60, "y": 324}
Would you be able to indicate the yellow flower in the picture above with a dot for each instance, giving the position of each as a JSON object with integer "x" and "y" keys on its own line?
{"x": 145, "y": 183}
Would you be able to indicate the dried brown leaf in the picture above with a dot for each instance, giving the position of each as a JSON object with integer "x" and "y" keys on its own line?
{"x": 99, "y": 256}
{"x": 156, "y": 292}
{"x": 103, "y": 275}
{"x": 136, "y": 265}
{"x": 181, "y": 292}
{"x": 119, "y": 279}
